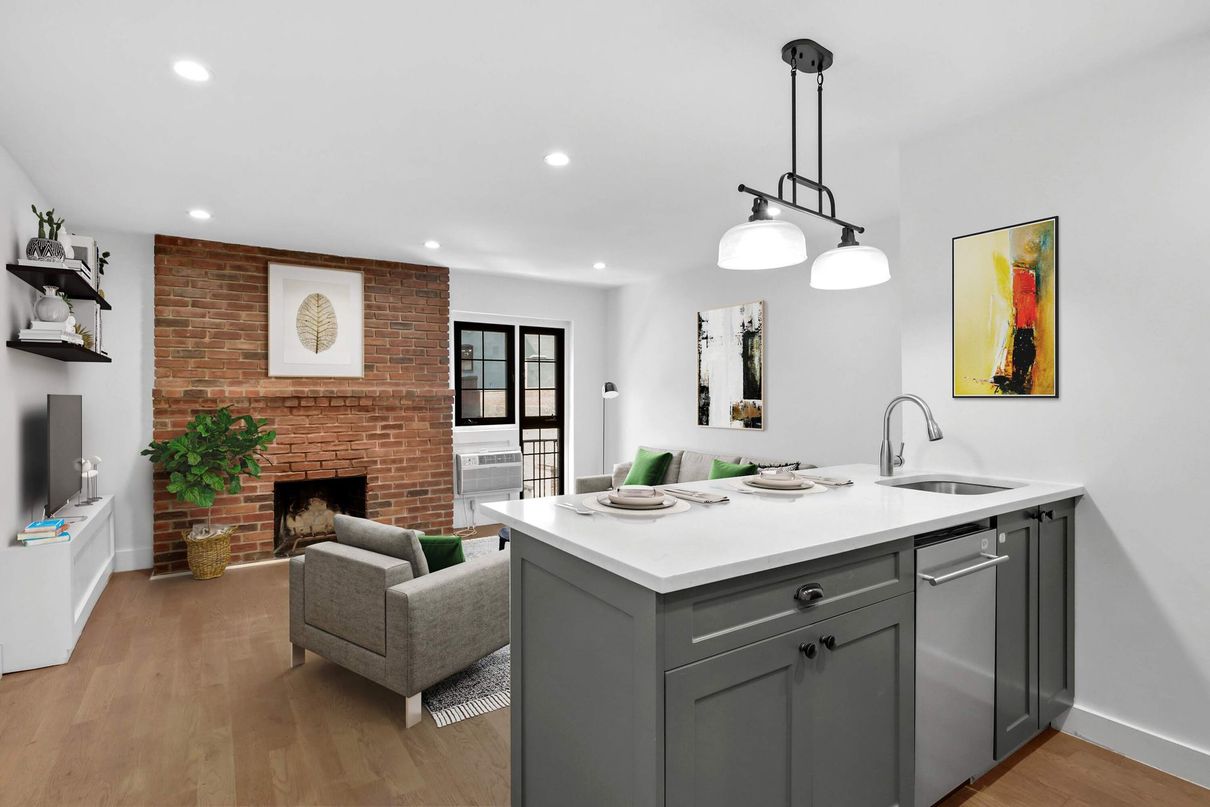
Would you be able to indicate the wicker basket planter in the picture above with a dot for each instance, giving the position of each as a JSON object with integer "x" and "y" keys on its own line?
{"x": 209, "y": 555}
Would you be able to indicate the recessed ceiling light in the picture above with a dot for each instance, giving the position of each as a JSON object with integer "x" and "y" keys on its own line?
{"x": 598, "y": 265}
{"x": 191, "y": 70}
{"x": 557, "y": 158}
{"x": 431, "y": 244}
{"x": 199, "y": 214}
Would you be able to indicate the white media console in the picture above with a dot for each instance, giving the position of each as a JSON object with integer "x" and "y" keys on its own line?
{"x": 47, "y": 592}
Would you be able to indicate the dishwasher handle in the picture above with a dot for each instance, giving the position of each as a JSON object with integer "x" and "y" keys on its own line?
{"x": 992, "y": 560}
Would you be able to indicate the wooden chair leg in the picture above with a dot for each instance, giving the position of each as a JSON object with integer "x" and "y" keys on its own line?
{"x": 412, "y": 710}
{"x": 298, "y": 654}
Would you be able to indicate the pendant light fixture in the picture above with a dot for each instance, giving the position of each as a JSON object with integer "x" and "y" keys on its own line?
{"x": 765, "y": 243}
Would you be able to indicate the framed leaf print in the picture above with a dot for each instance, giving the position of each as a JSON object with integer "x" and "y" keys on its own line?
{"x": 315, "y": 322}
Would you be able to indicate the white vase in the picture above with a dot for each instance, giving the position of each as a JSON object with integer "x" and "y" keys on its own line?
{"x": 51, "y": 307}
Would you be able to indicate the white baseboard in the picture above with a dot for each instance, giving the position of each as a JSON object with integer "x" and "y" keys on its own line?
{"x": 1168, "y": 755}
{"x": 128, "y": 560}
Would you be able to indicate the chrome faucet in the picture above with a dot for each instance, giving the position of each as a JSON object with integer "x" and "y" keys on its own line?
{"x": 888, "y": 461}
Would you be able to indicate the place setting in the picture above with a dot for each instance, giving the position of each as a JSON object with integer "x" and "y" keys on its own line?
{"x": 642, "y": 500}
{"x": 778, "y": 482}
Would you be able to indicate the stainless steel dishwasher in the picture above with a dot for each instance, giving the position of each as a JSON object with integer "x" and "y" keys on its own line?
{"x": 955, "y": 658}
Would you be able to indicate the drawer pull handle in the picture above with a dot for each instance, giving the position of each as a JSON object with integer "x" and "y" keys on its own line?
{"x": 829, "y": 642}
{"x": 809, "y": 593}
{"x": 807, "y": 649}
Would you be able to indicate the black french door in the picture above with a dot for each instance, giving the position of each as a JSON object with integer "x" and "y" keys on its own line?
{"x": 542, "y": 411}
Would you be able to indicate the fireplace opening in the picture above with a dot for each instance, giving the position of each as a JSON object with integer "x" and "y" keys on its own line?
{"x": 304, "y": 511}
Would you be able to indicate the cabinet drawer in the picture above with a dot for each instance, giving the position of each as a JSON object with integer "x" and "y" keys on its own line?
{"x": 712, "y": 619}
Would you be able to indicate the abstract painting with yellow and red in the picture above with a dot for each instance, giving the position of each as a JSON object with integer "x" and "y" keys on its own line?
{"x": 1006, "y": 312}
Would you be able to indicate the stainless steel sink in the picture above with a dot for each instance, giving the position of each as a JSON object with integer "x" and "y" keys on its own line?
{"x": 952, "y": 486}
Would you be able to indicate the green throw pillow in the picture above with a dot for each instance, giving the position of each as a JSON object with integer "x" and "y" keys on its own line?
{"x": 649, "y": 467}
{"x": 441, "y": 551}
{"x": 725, "y": 470}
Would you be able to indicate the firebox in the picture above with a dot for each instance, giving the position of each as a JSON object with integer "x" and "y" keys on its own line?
{"x": 304, "y": 510}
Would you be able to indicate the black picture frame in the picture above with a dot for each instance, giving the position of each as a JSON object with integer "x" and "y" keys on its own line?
{"x": 953, "y": 312}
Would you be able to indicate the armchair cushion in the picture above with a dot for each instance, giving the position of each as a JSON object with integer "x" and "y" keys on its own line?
{"x": 384, "y": 539}
{"x": 345, "y": 592}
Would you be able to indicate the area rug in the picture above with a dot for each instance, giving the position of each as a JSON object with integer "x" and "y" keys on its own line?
{"x": 481, "y": 687}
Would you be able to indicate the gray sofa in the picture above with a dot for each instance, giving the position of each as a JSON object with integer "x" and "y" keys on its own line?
{"x": 369, "y": 603}
{"x": 686, "y": 466}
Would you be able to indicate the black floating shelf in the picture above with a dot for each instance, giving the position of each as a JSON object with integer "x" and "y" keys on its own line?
{"x": 65, "y": 280}
{"x": 63, "y": 351}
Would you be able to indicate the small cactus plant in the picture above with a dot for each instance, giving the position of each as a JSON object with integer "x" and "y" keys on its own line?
{"x": 48, "y": 225}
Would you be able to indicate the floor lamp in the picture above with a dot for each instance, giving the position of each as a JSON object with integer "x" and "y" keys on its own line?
{"x": 608, "y": 390}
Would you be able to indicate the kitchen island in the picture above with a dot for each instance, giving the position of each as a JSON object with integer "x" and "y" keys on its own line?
{"x": 760, "y": 651}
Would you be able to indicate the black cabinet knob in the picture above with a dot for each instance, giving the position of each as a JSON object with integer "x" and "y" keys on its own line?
{"x": 828, "y": 642}
{"x": 809, "y": 593}
{"x": 807, "y": 649}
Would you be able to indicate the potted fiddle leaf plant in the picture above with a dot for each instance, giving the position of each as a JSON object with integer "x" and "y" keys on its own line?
{"x": 215, "y": 451}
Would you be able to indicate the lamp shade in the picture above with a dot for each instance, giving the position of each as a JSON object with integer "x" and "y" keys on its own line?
{"x": 762, "y": 244}
{"x": 609, "y": 390}
{"x": 852, "y": 267}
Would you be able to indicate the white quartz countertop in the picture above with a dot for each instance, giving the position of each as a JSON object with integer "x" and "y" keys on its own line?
{"x": 752, "y": 533}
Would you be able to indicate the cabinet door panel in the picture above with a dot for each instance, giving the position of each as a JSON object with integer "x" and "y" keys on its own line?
{"x": 1016, "y": 633}
{"x": 1056, "y": 611}
{"x": 861, "y": 708}
{"x": 735, "y": 727}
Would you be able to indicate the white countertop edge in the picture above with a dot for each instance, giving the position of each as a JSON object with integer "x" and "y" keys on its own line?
{"x": 1018, "y": 499}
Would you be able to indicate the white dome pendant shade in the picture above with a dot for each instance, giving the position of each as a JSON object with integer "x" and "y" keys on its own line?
{"x": 761, "y": 243}
{"x": 850, "y": 266}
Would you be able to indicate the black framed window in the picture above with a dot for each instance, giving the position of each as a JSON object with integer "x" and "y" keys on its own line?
{"x": 485, "y": 386}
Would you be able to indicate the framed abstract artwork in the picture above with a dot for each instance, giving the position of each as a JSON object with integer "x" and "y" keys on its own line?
{"x": 731, "y": 366}
{"x": 315, "y": 322}
{"x": 1006, "y": 311}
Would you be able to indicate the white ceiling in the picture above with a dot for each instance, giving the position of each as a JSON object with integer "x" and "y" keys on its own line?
{"x": 364, "y": 128}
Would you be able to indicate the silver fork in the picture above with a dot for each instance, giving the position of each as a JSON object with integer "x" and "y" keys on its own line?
{"x": 575, "y": 508}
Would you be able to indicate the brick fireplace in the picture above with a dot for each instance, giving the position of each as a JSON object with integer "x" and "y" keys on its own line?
{"x": 392, "y": 428}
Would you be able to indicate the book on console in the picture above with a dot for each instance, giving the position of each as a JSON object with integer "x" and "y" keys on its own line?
{"x": 60, "y": 538}
{"x": 46, "y": 525}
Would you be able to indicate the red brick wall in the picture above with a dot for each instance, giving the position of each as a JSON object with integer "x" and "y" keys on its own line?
{"x": 394, "y": 425}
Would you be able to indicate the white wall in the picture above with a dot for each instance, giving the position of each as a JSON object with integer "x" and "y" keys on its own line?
{"x": 581, "y": 311}
{"x": 117, "y": 396}
{"x": 831, "y": 359}
{"x": 25, "y": 379}
{"x": 1124, "y": 162}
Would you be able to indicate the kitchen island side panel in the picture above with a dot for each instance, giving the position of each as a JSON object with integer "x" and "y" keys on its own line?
{"x": 587, "y": 683}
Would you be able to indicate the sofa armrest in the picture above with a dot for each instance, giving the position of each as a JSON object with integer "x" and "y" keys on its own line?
{"x": 598, "y": 483}
{"x": 445, "y": 621}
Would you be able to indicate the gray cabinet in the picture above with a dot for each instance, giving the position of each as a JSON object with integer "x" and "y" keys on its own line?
{"x": 1035, "y": 622}
{"x": 820, "y": 715}
{"x": 1056, "y": 610}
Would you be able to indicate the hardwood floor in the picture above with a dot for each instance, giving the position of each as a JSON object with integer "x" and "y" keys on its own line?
{"x": 180, "y": 692}
{"x": 1058, "y": 770}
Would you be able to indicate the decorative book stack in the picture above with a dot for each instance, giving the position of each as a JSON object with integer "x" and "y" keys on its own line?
{"x": 48, "y": 531}
{"x": 40, "y": 331}
{"x": 74, "y": 264}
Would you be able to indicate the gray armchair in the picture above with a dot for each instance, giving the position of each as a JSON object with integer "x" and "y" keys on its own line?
{"x": 369, "y": 603}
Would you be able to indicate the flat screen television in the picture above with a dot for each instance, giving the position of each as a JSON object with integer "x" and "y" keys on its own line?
{"x": 64, "y": 447}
